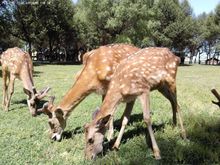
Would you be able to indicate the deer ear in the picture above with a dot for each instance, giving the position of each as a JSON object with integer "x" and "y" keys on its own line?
{"x": 45, "y": 109}
{"x": 103, "y": 121}
{"x": 27, "y": 92}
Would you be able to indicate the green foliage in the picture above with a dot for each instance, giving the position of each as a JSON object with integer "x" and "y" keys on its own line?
{"x": 176, "y": 26}
{"x": 53, "y": 25}
{"x": 109, "y": 21}
{"x": 47, "y": 24}
{"x": 24, "y": 139}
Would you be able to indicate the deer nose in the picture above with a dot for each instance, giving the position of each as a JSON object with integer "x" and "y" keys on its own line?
{"x": 93, "y": 157}
{"x": 34, "y": 114}
{"x": 56, "y": 137}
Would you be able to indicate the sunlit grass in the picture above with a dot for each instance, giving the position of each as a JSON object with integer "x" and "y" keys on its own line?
{"x": 24, "y": 139}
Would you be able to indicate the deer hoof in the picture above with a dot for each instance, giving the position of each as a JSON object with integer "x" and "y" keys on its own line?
{"x": 183, "y": 135}
{"x": 115, "y": 147}
{"x": 157, "y": 155}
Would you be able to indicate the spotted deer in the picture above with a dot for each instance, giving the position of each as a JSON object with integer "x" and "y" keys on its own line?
{"x": 18, "y": 64}
{"x": 98, "y": 68}
{"x": 146, "y": 70}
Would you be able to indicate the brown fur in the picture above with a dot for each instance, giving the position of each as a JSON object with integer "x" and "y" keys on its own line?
{"x": 98, "y": 67}
{"x": 145, "y": 70}
{"x": 18, "y": 64}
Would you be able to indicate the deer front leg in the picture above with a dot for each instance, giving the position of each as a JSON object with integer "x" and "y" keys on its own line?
{"x": 110, "y": 129}
{"x": 4, "y": 88}
{"x": 11, "y": 90}
{"x": 145, "y": 102}
{"x": 125, "y": 119}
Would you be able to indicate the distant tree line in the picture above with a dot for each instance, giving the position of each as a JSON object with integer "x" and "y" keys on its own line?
{"x": 57, "y": 30}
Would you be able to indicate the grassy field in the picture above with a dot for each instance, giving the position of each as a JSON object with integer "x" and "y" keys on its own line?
{"x": 24, "y": 139}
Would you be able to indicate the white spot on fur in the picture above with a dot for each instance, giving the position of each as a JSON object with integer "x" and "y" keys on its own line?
{"x": 105, "y": 60}
{"x": 108, "y": 68}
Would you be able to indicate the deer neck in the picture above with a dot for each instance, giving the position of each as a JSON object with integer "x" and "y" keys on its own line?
{"x": 82, "y": 87}
{"x": 109, "y": 105}
{"x": 27, "y": 80}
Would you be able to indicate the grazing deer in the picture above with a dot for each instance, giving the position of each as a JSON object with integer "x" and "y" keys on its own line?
{"x": 146, "y": 70}
{"x": 99, "y": 66}
{"x": 17, "y": 64}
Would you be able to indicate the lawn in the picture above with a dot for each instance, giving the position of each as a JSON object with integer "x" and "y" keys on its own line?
{"x": 24, "y": 139}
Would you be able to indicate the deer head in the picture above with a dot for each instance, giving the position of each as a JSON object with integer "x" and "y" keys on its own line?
{"x": 34, "y": 97}
{"x": 94, "y": 135}
{"x": 56, "y": 120}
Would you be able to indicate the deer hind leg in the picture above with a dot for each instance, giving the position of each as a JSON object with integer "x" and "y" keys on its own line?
{"x": 145, "y": 102}
{"x": 5, "y": 89}
{"x": 125, "y": 119}
{"x": 169, "y": 91}
{"x": 11, "y": 90}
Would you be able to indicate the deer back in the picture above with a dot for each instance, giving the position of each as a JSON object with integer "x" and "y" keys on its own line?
{"x": 146, "y": 69}
{"x": 16, "y": 61}
{"x": 105, "y": 59}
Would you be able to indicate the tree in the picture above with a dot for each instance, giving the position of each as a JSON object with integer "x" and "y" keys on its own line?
{"x": 7, "y": 39}
{"x": 176, "y": 26}
{"x": 57, "y": 19}
{"x": 107, "y": 21}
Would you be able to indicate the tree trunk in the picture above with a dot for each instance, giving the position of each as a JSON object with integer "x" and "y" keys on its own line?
{"x": 50, "y": 49}
{"x": 30, "y": 49}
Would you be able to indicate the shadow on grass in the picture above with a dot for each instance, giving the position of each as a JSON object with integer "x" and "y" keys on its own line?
{"x": 36, "y": 73}
{"x": 117, "y": 126}
{"x": 41, "y": 63}
{"x": 23, "y": 103}
{"x": 185, "y": 65}
{"x": 70, "y": 134}
{"x": 140, "y": 129}
{"x": 201, "y": 147}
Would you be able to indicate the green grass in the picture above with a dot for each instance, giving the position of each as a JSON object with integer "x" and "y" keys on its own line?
{"x": 24, "y": 139}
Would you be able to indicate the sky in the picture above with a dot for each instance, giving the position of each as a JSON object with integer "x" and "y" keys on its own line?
{"x": 199, "y": 6}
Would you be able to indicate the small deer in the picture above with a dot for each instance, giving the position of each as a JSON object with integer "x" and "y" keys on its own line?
{"x": 18, "y": 64}
{"x": 99, "y": 66}
{"x": 146, "y": 70}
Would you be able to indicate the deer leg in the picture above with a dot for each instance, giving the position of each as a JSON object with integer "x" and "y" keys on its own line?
{"x": 110, "y": 131}
{"x": 169, "y": 91}
{"x": 11, "y": 90}
{"x": 103, "y": 97}
{"x": 145, "y": 102}
{"x": 125, "y": 119}
{"x": 5, "y": 88}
